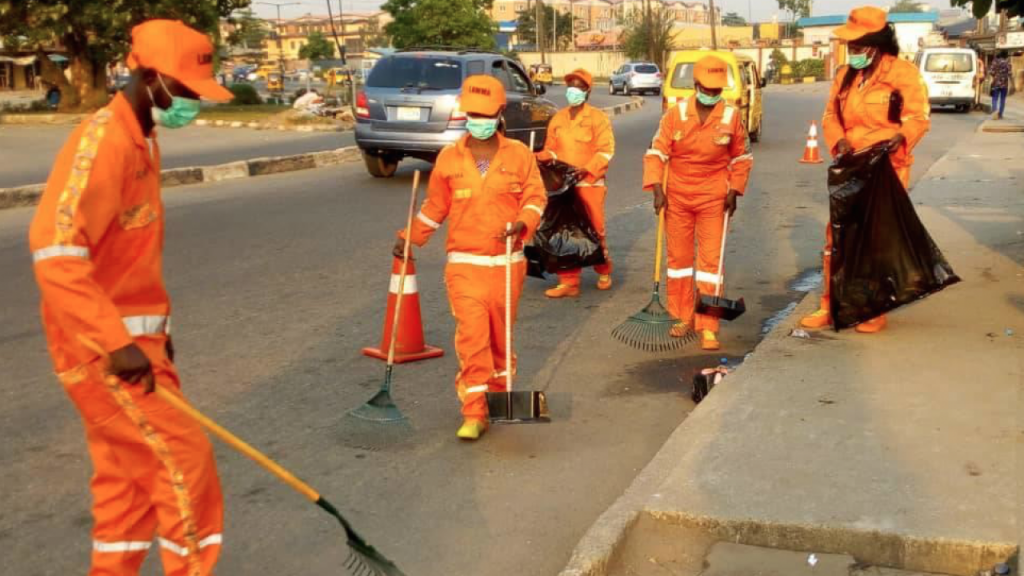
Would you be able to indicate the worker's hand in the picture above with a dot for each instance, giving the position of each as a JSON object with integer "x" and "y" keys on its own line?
{"x": 842, "y": 147}
{"x": 515, "y": 232}
{"x": 169, "y": 347}
{"x": 131, "y": 365}
{"x": 660, "y": 200}
{"x": 399, "y": 250}
{"x": 730, "y": 202}
{"x": 895, "y": 142}
{"x": 544, "y": 156}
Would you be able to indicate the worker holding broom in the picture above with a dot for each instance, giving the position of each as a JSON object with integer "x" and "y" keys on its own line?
{"x": 877, "y": 98}
{"x": 489, "y": 188}
{"x": 581, "y": 135}
{"x": 97, "y": 248}
{"x": 703, "y": 145}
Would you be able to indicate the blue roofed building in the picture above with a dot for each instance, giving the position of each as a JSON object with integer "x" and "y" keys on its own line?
{"x": 911, "y": 28}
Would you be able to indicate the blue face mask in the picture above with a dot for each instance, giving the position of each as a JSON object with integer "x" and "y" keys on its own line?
{"x": 482, "y": 128}
{"x": 181, "y": 113}
{"x": 708, "y": 100}
{"x": 860, "y": 61}
{"x": 575, "y": 96}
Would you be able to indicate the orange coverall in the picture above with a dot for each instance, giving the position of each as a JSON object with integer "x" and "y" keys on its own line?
{"x": 585, "y": 142}
{"x": 704, "y": 161}
{"x": 478, "y": 209}
{"x": 97, "y": 242}
{"x": 866, "y": 121}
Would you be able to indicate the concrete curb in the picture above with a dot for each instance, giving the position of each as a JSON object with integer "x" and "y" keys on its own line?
{"x": 46, "y": 119}
{"x": 264, "y": 126}
{"x": 29, "y": 195}
{"x": 636, "y": 104}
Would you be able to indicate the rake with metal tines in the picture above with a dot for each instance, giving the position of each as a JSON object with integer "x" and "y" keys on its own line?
{"x": 363, "y": 560}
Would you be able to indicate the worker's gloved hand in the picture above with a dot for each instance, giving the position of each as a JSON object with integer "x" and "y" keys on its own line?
{"x": 399, "y": 250}
{"x": 169, "y": 347}
{"x": 730, "y": 202}
{"x": 544, "y": 157}
{"x": 131, "y": 365}
{"x": 895, "y": 142}
{"x": 515, "y": 232}
{"x": 660, "y": 200}
{"x": 842, "y": 147}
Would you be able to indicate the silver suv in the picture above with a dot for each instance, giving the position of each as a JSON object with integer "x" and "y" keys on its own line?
{"x": 636, "y": 77}
{"x": 410, "y": 105}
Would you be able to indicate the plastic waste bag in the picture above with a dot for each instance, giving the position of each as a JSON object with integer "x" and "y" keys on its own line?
{"x": 565, "y": 239}
{"x": 882, "y": 256}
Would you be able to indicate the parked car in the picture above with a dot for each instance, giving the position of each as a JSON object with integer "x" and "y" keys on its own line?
{"x": 541, "y": 74}
{"x": 949, "y": 74}
{"x": 636, "y": 78}
{"x": 241, "y": 73}
{"x": 410, "y": 105}
{"x": 338, "y": 76}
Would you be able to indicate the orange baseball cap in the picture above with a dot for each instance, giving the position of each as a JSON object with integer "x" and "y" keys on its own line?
{"x": 584, "y": 76}
{"x": 483, "y": 95}
{"x": 710, "y": 72}
{"x": 861, "y": 22}
{"x": 174, "y": 49}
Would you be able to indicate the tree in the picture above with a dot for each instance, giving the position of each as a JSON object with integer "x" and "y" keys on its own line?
{"x": 796, "y": 8}
{"x": 733, "y": 19}
{"x": 249, "y": 30}
{"x": 316, "y": 48}
{"x": 95, "y": 33}
{"x": 461, "y": 23}
{"x": 980, "y": 8}
{"x": 648, "y": 36}
{"x": 371, "y": 36}
{"x": 526, "y": 27}
{"x": 905, "y": 6}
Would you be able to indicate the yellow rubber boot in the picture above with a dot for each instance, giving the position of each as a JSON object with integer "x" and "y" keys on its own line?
{"x": 816, "y": 320}
{"x": 709, "y": 341}
{"x": 872, "y": 326}
{"x": 472, "y": 429}
{"x": 604, "y": 282}
{"x": 563, "y": 291}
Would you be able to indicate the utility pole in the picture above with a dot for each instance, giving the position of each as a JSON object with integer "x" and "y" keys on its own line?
{"x": 711, "y": 19}
{"x": 334, "y": 31}
{"x": 280, "y": 45}
{"x": 554, "y": 30}
{"x": 537, "y": 23}
{"x": 344, "y": 42}
{"x": 572, "y": 22}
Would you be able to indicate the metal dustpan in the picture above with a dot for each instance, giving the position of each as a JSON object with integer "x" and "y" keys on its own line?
{"x": 718, "y": 306}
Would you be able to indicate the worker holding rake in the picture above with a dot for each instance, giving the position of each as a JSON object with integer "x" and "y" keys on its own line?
{"x": 703, "y": 145}
{"x": 97, "y": 248}
{"x": 489, "y": 188}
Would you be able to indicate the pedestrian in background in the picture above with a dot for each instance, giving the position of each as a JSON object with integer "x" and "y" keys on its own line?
{"x": 581, "y": 135}
{"x": 1000, "y": 72}
{"x": 703, "y": 144}
{"x": 876, "y": 98}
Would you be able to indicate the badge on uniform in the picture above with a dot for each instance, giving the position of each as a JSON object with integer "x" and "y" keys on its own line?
{"x": 677, "y": 136}
{"x": 515, "y": 188}
{"x": 463, "y": 193}
{"x": 723, "y": 139}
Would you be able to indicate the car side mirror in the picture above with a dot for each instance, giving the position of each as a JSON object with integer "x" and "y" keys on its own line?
{"x": 541, "y": 90}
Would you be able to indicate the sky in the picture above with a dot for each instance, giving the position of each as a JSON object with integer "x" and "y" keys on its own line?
{"x": 760, "y": 10}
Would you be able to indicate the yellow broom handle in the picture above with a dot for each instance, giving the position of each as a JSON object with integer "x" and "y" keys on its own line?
{"x": 661, "y": 228}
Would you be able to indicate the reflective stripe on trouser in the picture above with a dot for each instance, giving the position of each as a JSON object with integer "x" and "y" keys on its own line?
{"x": 477, "y": 297}
{"x": 153, "y": 474}
{"x": 687, "y": 220}
{"x": 593, "y": 198}
{"x": 826, "y": 286}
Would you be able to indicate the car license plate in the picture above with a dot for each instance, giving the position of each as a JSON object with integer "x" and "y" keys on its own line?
{"x": 408, "y": 114}
{"x": 947, "y": 92}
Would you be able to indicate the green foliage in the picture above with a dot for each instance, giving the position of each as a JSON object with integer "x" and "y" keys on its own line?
{"x": 649, "y": 37}
{"x": 316, "y": 48}
{"x": 527, "y": 27}
{"x": 778, "y": 59}
{"x": 460, "y": 23}
{"x": 809, "y": 67}
{"x": 733, "y": 19}
{"x": 797, "y": 8}
{"x": 249, "y": 30}
{"x": 980, "y": 8}
{"x": 245, "y": 95}
{"x": 905, "y": 6}
{"x": 372, "y": 36}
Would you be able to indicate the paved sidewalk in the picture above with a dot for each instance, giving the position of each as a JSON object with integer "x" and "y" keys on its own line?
{"x": 901, "y": 449}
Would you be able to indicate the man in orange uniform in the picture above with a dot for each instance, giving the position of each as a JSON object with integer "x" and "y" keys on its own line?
{"x": 481, "y": 184}
{"x": 863, "y": 110}
{"x": 97, "y": 243}
{"x": 581, "y": 135}
{"x": 702, "y": 143}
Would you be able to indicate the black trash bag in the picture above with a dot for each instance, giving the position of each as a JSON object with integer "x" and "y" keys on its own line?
{"x": 882, "y": 256}
{"x": 565, "y": 239}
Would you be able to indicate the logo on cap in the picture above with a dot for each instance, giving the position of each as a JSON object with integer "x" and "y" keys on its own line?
{"x": 479, "y": 90}
{"x": 716, "y": 70}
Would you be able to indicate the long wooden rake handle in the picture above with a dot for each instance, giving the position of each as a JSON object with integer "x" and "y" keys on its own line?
{"x": 508, "y": 316}
{"x": 405, "y": 268}
{"x": 721, "y": 257}
{"x": 220, "y": 432}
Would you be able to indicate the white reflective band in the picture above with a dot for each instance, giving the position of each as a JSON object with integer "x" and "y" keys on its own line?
{"x": 676, "y": 273}
{"x": 118, "y": 547}
{"x": 707, "y": 277}
{"x": 728, "y": 114}
{"x": 606, "y": 156}
{"x": 535, "y": 208}
{"x": 55, "y": 251}
{"x": 211, "y": 540}
{"x": 656, "y": 152}
{"x": 408, "y": 288}
{"x": 553, "y": 155}
{"x": 500, "y": 374}
{"x": 812, "y": 142}
{"x": 586, "y": 185}
{"x": 682, "y": 109}
{"x": 423, "y": 218}
{"x": 745, "y": 157}
{"x": 476, "y": 389}
{"x": 814, "y": 131}
{"x": 477, "y": 260}
{"x": 142, "y": 325}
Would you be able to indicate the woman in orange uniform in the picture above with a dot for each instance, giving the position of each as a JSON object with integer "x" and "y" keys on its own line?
{"x": 876, "y": 98}
{"x": 581, "y": 135}
{"x": 480, "y": 185}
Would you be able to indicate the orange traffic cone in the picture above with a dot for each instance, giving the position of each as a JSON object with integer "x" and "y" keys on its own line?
{"x": 409, "y": 346}
{"x": 811, "y": 154}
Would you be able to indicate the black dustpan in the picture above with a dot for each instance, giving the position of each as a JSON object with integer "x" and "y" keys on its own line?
{"x": 718, "y": 306}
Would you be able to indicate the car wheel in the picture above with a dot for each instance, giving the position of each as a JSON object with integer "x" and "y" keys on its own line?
{"x": 611, "y": 89}
{"x": 379, "y": 165}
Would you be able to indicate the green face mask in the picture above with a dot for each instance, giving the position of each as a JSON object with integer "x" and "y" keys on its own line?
{"x": 860, "y": 61}
{"x": 181, "y": 113}
{"x": 482, "y": 128}
{"x": 575, "y": 96}
{"x": 708, "y": 100}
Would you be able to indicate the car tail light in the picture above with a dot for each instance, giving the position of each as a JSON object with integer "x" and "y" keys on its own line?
{"x": 362, "y": 105}
{"x": 458, "y": 116}
{"x": 657, "y": 75}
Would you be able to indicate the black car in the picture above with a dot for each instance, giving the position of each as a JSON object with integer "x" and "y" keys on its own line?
{"x": 409, "y": 106}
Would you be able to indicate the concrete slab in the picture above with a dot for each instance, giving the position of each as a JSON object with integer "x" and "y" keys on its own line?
{"x": 728, "y": 559}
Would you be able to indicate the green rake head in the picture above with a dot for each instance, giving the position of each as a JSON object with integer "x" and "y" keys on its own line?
{"x": 380, "y": 409}
{"x": 363, "y": 560}
{"x": 650, "y": 330}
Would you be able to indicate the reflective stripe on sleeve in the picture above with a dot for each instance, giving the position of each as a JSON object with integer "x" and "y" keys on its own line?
{"x": 708, "y": 278}
{"x": 534, "y": 208}
{"x": 211, "y": 540}
{"x": 744, "y": 157}
{"x": 120, "y": 547}
{"x": 606, "y": 156}
{"x": 476, "y": 389}
{"x": 426, "y": 220}
{"x": 656, "y": 152}
{"x": 677, "y": 273}
{"x": 582, "y": 184}
{"x": 478, "y": 260}
{"x": 143, "y": 325}
{"x": 60, "y": 250}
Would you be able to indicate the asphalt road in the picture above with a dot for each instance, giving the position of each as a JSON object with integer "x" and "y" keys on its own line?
{"x": 28, "y": 151}
{"x": 278, "y": 282}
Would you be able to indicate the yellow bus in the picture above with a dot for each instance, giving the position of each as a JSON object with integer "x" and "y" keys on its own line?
{"x": 743, "y": 91}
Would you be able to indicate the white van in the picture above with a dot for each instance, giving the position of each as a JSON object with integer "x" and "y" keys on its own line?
{"x": 949, "y": 74}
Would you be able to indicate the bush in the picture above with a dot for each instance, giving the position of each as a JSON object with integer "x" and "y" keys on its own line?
{"x": 809, "y": 67}
{"x": 245, "y": 95}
